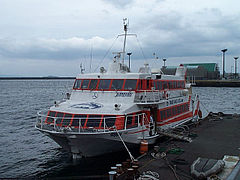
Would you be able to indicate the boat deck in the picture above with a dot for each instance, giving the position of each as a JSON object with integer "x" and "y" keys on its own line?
{"x": 213, "y": 137}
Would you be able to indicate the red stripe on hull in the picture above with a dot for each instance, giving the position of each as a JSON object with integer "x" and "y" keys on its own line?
{"x": 180, "y": 118}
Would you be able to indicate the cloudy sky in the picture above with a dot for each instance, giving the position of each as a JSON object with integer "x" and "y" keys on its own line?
{"x": 52, "y": 37}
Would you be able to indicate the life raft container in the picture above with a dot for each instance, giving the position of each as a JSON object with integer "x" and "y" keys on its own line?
{"x": 203, "y": 167}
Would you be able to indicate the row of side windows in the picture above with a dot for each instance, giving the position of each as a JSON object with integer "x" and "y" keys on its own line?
{"x": 65, "y": 119}
{"x": 173, "y": 111}
{"x": 126, "y": 84}
{"x": 96, "y": 121}
{"x": 106, "y": 84}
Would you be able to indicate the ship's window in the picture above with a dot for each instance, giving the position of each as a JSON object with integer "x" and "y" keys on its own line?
{"x": 109, "y": 121}
{"x": 174, "y": 84}
{"x": 169, "y": 85}
{"x": 168, "y": 113}
{"x": 104, "y": 84}
{"x": 164, "y": 85}
{"x": 67, "y": 119}
{"x": 50, "y": 116}
{"x": 174, "y": 111}
{"x": 136, "y": 118}
{"x": 59, "y": 117}
{"x": 159, "y": 85}
{"x": 79, "y": 118}
{"x": 129, "y": 120}
{"x": 117, "y": 84}
{"x": 85, "y": 83}
{"x": 179, "y": 109}
{"x": 178, "y": 84}
{"x": 130, "y": 84}
{"x": 77, "y": 84}
{"x": 93, "y": 84}
{"x": 148, "y": 83}
{"x": 156, "y": 85}
{"x": 182, "y": 84}
{"x": 94, "y": 120}
{"x": 140, "y": 84}
{"x": 162, "y": 114}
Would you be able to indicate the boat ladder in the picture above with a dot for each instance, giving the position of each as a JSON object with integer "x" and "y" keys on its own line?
{"x": 175, "y": 136}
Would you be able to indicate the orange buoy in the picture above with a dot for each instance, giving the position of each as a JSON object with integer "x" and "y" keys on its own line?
{"x": 143, "y": 147}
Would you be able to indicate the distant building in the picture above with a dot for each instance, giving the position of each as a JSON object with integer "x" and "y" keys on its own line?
{"x": 200, "y": 71}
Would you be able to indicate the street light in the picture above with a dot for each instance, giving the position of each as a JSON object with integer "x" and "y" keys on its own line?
{"x": 224, "y": 50}
{"x": 235, "y": 67}
{"x": 164, "y": 60}
{"x": 129, "y": 54}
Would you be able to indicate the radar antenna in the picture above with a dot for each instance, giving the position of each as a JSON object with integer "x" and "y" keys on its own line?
{"x": 81, "y": 68}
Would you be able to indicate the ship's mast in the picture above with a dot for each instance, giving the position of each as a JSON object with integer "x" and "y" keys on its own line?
{"x": 125, "y": 27}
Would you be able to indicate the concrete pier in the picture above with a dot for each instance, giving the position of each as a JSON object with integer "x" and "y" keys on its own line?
{"x": 215, "y": 136}
{"x": 217, "y": 83}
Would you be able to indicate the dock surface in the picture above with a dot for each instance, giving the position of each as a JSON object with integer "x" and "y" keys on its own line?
{"x": 213, "y": 137}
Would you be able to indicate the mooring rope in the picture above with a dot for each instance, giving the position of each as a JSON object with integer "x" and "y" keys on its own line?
{"x": 131, "y": 156}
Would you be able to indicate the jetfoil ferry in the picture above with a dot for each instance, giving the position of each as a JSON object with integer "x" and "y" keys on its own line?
{"x": 115, "y": 108}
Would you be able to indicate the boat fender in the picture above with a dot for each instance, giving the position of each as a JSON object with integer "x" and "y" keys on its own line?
{"x": 143, "y": 147}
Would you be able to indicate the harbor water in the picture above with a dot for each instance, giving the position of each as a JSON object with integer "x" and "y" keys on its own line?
{"x": 27, "y": 153}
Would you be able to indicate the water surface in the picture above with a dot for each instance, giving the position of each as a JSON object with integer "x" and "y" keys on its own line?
{"x": 25, "y": 152}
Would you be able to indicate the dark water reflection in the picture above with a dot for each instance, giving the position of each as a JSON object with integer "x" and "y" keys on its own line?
{"x": 25, "y": 152}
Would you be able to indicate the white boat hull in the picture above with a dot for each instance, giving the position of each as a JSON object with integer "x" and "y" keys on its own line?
{"x": 89, "y": 145}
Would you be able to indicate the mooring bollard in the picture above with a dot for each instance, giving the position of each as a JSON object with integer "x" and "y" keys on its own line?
{"x": 130, "y": 174}
{"x": 135, "y": 168}
{"x": 112, "y": 175}
{"x": 114, "y": 168}
{"x": 119, "y": 168}
{"x": 135, "y": 162}
{"x": 125, "y": 165}
{"x": 156, "y": 149}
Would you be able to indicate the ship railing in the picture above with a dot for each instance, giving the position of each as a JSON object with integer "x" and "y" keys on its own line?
{"x": 91, "y": 125}
{"x": 149, "y": 96}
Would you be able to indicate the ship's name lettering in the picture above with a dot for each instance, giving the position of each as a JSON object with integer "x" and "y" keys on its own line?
{"x": 123, "y": 94}
{"x": 175, "y": 101}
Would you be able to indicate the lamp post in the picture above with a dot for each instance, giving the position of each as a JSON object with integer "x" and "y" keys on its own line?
{"x": 223, "y": 51}
{"x": 235, "y": 67}
{"x": 129, "y": 54}
{"x": 164, "y": 61}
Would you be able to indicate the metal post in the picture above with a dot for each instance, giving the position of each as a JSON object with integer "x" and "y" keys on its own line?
{"x": 54, "y": 120}
{"x": 104, "y": 124}
{"x": 235, "y": 67}
{"x": 79, "y": 125}
{"x": 223, "y": 51}
{"x": 41, "y": 122}
{"x": 129, "y": 54}
{"x": 125, "y": 122}
{"x": 164, "y": 61}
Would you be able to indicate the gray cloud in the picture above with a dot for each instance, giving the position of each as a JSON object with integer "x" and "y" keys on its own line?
{"x": 67, "y": 31}
{"x": 119, "y": 3}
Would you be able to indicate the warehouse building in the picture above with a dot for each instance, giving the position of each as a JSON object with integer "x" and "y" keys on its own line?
{"x": 199, "y": 71}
